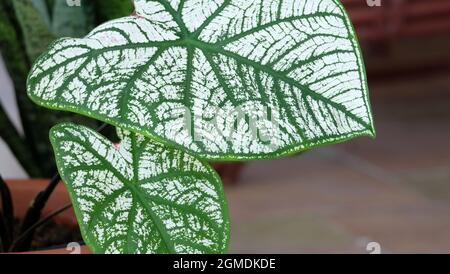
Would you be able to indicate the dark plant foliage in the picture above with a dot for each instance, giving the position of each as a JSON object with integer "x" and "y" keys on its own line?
{"x": 27, "y": 27}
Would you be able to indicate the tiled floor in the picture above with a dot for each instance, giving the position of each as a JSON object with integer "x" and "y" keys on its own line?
{"x": 394, "y": 190}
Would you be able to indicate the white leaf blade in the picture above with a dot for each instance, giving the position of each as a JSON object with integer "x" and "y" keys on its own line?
{"x": 142, "y": 197}
{"x": 293, "y": 67}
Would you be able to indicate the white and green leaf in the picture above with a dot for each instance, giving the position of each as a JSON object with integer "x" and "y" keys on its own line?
{"x": 183, "y": 71}
{"x": 141, "y": 197}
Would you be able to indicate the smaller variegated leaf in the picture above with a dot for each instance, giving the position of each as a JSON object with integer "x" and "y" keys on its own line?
{"x": 140, "y": 197}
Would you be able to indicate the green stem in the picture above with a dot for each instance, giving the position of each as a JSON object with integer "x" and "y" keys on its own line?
{"x": 35, "y": 211}
{"x": 33, "y": 215}
{"x": 29, "y": 232}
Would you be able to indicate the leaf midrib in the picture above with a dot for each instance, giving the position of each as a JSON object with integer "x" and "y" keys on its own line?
{"x": 214, "y": 49}
{"x": 136, "y": 193}
{"x": 168, "y": 7}
{"x": 280, "y": 76}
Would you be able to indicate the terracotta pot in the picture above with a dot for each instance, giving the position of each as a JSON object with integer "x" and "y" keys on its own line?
{"x": 24, "y": 191}
{"x": 228, "y": 171}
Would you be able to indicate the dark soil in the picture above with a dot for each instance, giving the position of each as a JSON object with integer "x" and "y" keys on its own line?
{"x": 52, "y": 235}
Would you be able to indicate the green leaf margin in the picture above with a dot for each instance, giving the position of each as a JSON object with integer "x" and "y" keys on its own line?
{"x": 92, "y": 245}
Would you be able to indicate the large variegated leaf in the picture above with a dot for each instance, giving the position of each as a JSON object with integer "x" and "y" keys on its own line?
{"x": 225, "y": 79}
{"x": 141, "y": 197}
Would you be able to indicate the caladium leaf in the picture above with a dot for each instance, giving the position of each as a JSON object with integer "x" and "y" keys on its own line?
{"x": 224, "y": 79}
{"x": 141, "y": 197}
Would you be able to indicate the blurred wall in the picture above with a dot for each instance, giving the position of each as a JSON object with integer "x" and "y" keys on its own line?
{"x": 9, "y": 167}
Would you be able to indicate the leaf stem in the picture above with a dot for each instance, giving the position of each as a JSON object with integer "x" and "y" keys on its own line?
{"x": 35, "y": 211}
{"x": 30, "y": 231}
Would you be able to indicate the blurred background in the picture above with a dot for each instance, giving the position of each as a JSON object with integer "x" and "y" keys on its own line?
{"x": 394, "y": 190}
